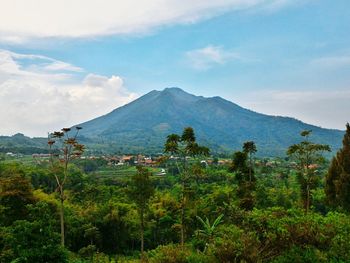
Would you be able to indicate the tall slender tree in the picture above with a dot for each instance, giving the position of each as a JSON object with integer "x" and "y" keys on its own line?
{"x": 308, "y": 155}
{"x": 250, "y": 149}
{"x": 245, "y": 180}
{"x": 63, "y": 149}
{"x": 338, "y": 177}
{"x": 140, "y": 190}
{"x": 182, "y": 147}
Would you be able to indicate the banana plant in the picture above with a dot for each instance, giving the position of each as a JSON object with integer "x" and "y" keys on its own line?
{"x": 208, "y": 230}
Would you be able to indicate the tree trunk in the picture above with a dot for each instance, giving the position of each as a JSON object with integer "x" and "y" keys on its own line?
{"x": 307, "y": 197}
{"x": 250, "y": 167}
{"x": 62, "y": 216}
{"x": 183, "y": 215}
{"x": 308, "y": 162}
{"x": 142, "y": 236}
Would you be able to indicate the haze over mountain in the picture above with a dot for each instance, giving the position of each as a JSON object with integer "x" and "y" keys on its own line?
{"x": 143, "y": 124}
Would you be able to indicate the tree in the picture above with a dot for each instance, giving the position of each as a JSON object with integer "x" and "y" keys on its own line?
{"x": 182, "y": 147}
{"x": 338, "y": 177}
{"x": 67, "y": 148}
{"x": 92, "y": 234}
{"x": 245, "y": 180}
{"x": 35, "y": 239}
{"x": 140, "y": 190}
{"x": 308, "y": 155}
{"x": 15, "y": 194}
{"x": 250, "y": 148}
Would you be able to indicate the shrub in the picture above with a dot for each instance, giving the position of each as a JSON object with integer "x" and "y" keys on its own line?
{"x": 175, "y": 254}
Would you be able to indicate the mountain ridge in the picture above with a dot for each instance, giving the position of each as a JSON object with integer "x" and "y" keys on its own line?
{"x": 144, "y": 123}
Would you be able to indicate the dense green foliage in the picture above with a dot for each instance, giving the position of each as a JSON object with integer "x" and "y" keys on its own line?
{"x": 102, "y": 212}
{"x": 338, "y": 176}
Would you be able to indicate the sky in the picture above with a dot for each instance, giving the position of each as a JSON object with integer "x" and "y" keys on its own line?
{"x": 64, "y": 62}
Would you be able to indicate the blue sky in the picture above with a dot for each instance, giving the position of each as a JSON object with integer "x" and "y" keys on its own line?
{"x": 279, "y": 57}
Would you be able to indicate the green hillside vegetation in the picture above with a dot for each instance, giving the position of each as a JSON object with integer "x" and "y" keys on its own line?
{"x": 242, "y": 209}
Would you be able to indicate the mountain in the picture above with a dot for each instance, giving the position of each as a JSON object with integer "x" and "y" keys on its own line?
{"x": 142, "y": 125}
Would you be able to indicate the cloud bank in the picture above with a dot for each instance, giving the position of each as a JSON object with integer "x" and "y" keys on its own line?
{"x": 40, "y": 94}
{"x": 22, "y": 20}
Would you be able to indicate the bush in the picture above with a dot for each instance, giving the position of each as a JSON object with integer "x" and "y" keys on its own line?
{"x": 339, "y": 248}
{"x": 175, "y": 254}
{"x": 235, "y": 245}
{"x": 301, "y": 255}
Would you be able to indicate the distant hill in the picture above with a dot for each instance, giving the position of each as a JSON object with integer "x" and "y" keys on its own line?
{"x": 142, "y": 125}
{"x": 19, "y": 143}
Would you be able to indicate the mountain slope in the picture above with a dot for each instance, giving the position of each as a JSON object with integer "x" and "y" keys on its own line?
{"x": 143, "y": 124}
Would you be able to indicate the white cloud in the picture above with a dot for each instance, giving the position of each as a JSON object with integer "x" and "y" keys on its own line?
{"x": 39, "y": 94}
{"x": 22, "y": 19}
{"x": 205, "y": 58}
{"x": 329, "y": 109}
{"x": 61, "y": 66}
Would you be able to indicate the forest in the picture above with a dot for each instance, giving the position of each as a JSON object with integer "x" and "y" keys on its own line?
{"x": 70, "y": 208}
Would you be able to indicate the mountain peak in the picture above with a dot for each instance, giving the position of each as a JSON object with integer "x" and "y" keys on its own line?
{"x": 174, "y": 90}
{"x": 178, "y": 94}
